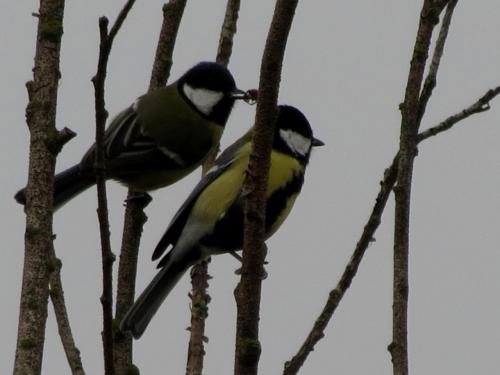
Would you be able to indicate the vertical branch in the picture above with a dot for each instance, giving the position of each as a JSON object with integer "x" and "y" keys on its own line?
{"x": 199, "y": 273}
{"x": 101, "y": 115}
{"x": 135, "y": 217}
{"x": 172, "y": 15}
{"x": 227, "y": 33}
{"x": 102, "y": 209}
{"x": 410, "y": 123}
{"x": 199, "y": 312}
{"x": 41, "y": 118}
{"x": 248, "y": 291}
{"x": 224, "y": 51}
{"x": 134, "y": 221}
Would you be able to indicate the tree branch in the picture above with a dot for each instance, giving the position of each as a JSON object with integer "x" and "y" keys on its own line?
{"x": 386, "y": 185}
{"x": 61, "y": 313}
{"x": 227, "y": 33}
{"x": 199, "y": 312}
{"x": 101, "y": 114}
{"x": 41, "y": 118}
{"x": 172, "y": 16}
{"x": 430, "y": 80}
{"x": 248, "y": 291}
{"x": 199, "y": 273}
{"x": 481, "y": 105}
{"x": 410, "y": 122}
{"x": 135, "y": 218}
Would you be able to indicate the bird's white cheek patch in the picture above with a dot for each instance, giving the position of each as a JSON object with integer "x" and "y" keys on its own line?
{"x": 297, "y": 142}
{"x": 204, "y": 100}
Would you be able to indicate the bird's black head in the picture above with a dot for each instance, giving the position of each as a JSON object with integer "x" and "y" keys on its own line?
{"x": 293, "y": 134}
{"x": 211, "y": 90}
{"x": 211, "y": 76}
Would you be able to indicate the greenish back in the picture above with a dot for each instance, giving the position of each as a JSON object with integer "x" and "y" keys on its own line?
{"x": 189, "y": 134}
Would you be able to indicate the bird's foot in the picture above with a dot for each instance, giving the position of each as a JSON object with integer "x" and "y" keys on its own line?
{"x": 141, "y": 198}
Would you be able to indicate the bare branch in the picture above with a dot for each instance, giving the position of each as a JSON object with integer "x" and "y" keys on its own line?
{"x": 247, "y": 293}
{"x": 227, "y": 33}
{"x": 119, "y": 22}
{"x": 199, "y": 273}
{"x": 101, "y": 114}
{"x": 102, "y": 209}
{"x": 134, "y": 220}
{"x": 41, "y": 118}
{"x": 481, "y": 105}
{"x": 410, "y": 122}
{"x": 199, "y": 312}
{"x": 61, "y": 313}
{"x": 368, "y": 235}
{"x": 135, "y": 217}
{"x": 430, "y": 80}
{"x": 172, "y": 15}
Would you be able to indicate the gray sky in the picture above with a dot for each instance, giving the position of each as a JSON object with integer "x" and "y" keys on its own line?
{"x": 345, "y": 68}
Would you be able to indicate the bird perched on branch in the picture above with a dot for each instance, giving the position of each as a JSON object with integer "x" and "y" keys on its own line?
{"x": 162, "y": 137}
{"x": 211, "y": 219}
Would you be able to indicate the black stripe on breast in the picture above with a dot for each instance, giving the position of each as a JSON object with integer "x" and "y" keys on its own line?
{"x": 228, "y": 232}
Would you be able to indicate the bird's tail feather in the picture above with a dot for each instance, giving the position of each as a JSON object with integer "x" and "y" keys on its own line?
{"x": 67, "y": 184}
{"x": 70, "y": 183}
{"x": 140, "y": 314}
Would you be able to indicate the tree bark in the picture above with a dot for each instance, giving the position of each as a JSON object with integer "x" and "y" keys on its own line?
{"x": 108, "y": 258}
{"x": 247, "y": 293}
{"x": 135, "y": 218}
{"x": 41, "y": 119}
{"x": 410, "y": 123}
{"x": 199, "y": 273}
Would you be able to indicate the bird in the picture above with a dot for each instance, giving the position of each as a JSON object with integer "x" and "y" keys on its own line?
{"x": 159, "y": 139}
{"x": 210, "y": 221}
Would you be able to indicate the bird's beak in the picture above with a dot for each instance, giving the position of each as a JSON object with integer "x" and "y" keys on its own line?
{"x": 249, "y": 96}
{"x": 238, "y": 94}
{"x": 316, "y": 142}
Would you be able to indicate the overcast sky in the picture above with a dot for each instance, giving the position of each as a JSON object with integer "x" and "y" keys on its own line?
{"x": 345, "y": 67}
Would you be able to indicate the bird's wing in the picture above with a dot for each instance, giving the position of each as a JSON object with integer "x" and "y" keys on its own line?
{"x": 222, "y": 164}
{"x": 129, "y": 150}
{"x": 129, "y": 146}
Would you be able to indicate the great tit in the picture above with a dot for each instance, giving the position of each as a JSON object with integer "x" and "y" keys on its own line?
{"x": 162, "y": 137}
{"x": 211, "y": 219}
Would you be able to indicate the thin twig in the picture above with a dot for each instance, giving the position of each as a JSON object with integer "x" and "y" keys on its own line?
{"x": 431, "y": 79}
{"x": 41, "y": 119}
{"x": 386, "y": 185}
{"x": 134, "y": 217}
{"x": 481, "y": 105}
{"x": 108, "y": 257}
{"x": 248, "y": 291}
{"x": 61, "y": 313}
{"x": 102, "y": 210}
{"x": 199, "y": 273}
